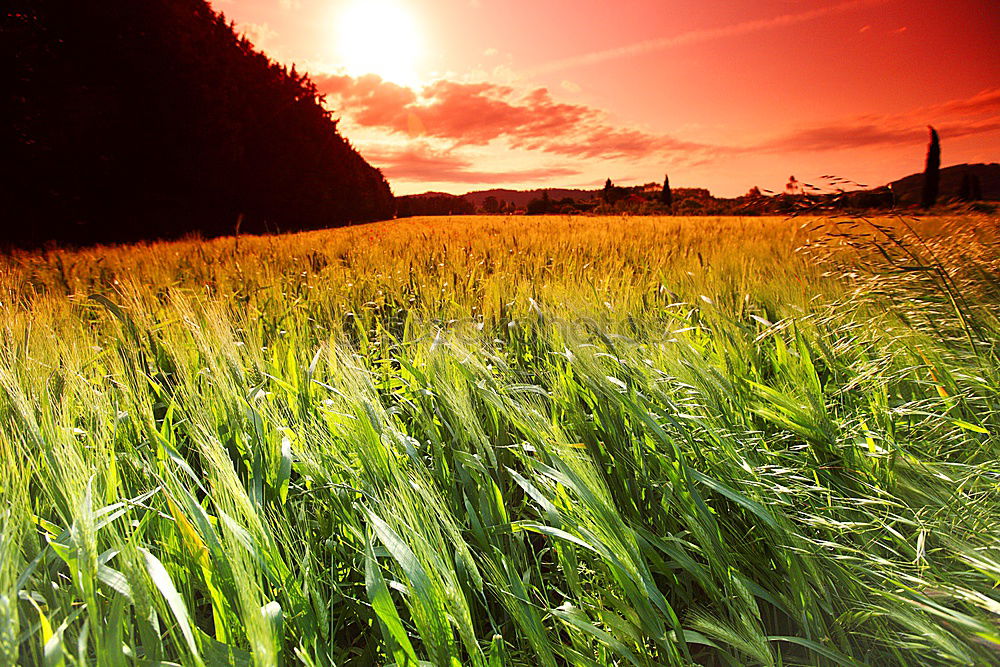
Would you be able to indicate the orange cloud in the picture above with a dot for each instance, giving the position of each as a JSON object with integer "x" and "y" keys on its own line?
{"x": 475, "y": 114}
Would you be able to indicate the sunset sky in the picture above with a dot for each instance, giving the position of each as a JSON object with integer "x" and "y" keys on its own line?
{"x": 456, "y": 95}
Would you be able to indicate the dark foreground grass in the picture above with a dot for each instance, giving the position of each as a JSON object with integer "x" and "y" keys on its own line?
{"x": 503, "y": 442}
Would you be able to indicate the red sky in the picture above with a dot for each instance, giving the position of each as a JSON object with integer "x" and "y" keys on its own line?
{"x": 724, "y": 94}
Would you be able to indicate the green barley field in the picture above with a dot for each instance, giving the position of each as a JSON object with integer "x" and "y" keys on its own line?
{"x": 506, "y": 441}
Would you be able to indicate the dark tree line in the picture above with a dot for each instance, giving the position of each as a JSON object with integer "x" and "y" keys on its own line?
{"x": 433, "y": 204}
{"x": 124, "y": 120}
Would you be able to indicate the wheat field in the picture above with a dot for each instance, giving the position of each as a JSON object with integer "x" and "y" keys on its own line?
{"x": 506, "y": 441}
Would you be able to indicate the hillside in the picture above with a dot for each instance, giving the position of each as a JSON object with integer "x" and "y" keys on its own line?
{"x": 907, "y": 190}
{"x": 129, "y": 120}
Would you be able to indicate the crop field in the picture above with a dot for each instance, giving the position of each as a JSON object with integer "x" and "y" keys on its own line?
{"x": 506, "y": 441}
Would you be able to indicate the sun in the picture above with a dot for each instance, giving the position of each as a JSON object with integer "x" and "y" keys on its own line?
{"x": 379, "y": 37}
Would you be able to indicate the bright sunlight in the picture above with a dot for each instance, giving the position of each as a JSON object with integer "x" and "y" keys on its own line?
{"x": 380, "y": 37}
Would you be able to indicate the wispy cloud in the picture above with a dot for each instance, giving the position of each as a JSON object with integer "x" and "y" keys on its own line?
{"x": 703, "y": 35}
{"x": 978, "y": 114}
{"x": 421, "y": 162}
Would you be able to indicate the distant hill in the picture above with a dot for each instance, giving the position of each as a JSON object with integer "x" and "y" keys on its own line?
{"x": 521, "y": 198}
{"x": 699, "y": 201}
{"x": 907, "y": 190}
{"x": 123, "y": 120}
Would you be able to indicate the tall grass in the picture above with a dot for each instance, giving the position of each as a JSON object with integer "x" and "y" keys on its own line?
{"x": 504, "y": 442}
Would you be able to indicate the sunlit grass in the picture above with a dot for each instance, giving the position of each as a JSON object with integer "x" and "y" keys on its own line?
{"x": 493, "y": 441}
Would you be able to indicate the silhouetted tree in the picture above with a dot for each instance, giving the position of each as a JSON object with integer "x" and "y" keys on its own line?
{"x": 491, "y": 205}
{"x": 541, "y": 205}
{"x": 128, "y": 120}
{"x": 932, "y": 171}
{"x": 792, "y": 187}
{"x": 666, "y": 197}
{"x": 566, "y": 205}
{"x": 608, "y": 190}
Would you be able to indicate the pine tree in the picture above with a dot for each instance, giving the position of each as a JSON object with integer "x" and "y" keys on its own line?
{"x": 932, "y": 171}
{"x": 154, "y": 119}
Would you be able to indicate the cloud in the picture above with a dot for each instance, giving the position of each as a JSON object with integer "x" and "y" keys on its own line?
{"x": 837, "y": 137}
{"x": 987, "y": 101}
{"x": 464, "y": 113}
{"x": 603, "y": 141}
{"x": 369, "y": 100}
{"x": 420, "y": 162}
{"x": 978, "y": 114}
{"x": 703, "y": 35}
{"x": 450, "y": 129}
{"x": 477, "y": 114}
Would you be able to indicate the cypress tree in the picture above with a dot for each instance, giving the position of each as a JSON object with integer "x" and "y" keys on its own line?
{"x": 667, "y": 197}
{"x": 932, "y": 171}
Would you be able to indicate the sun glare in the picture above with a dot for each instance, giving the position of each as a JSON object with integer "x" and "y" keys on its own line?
{"x": 379, "y": 37}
